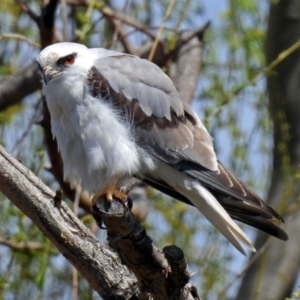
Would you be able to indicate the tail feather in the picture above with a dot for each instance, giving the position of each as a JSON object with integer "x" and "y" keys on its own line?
{"x": 210, "y": 201}
{"x": 208, "y": 205}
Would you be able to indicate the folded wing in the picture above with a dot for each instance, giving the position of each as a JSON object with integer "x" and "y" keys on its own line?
{"x": 170, "y": 131}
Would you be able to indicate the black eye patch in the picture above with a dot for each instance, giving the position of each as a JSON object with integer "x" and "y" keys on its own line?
{"x": 66, "y": 60}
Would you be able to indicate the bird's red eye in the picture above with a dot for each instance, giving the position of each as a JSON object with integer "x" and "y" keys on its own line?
{"x": 69, "y": 60}
{"x": 66, "y": 60}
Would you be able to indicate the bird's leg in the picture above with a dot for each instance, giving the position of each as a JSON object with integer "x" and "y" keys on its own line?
{"x": 111, "y": 191}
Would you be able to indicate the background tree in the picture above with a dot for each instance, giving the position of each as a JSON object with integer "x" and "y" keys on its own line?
{"x": 278, "y": 267}
{"x": 234, "y": 110}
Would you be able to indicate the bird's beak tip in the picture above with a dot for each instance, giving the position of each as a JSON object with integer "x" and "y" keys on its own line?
{"x": 47, "y": 75}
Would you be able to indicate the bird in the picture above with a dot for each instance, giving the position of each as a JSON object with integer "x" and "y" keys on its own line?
{"x": 116, "y": 116}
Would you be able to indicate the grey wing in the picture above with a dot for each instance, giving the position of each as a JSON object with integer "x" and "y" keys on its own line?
{"x": 171, "y": 131}
{"x": 163, "y": 123}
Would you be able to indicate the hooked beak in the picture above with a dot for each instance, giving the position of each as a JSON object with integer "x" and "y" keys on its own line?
{"x": 48, "y": 73}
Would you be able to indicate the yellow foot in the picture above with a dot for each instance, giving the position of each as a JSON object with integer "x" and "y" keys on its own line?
{"x": 110, "y": 195}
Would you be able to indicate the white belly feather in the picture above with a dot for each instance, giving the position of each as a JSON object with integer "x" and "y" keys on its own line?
{"x": 95, "y": 144}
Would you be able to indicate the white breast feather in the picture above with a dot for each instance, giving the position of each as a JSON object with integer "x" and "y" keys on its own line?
{"x": 94, "y": 142}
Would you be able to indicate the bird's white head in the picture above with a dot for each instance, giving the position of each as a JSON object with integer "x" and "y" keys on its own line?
{"x": 62, "y": 59}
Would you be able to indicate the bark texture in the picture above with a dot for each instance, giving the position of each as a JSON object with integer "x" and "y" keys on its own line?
{"x": 161, "y": 274}
{"x": 96, "y": 262}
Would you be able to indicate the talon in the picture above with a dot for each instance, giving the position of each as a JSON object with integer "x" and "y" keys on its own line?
{"x": 58, "y": 199}
{"x": 101, "y": 226}
{"x": 107, "y": 204}
{"x": 109, "y": 196}
{"x": 129, "y": 203}
{"x": 100, "y": 223}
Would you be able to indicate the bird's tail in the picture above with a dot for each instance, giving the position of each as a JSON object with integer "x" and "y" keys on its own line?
{"x": 208, "y": 205}
{"x": 183, "y": 187}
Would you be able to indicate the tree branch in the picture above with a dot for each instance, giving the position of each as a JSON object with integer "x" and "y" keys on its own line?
{"x": 109, "y": 13}
{"x": 15, "y": 87}
{"x": 28, "y": 11}
{"x": 47, "y": 23}
{"x": 20, "y": 37}
{"x": 19, "y": 85}
{"x": 99, "y": 265}
{"x": 21, "y": 246}
{"x": 188, "y": 57}
{"x": 157, "y": 272}
{"x": 162, "y": 274}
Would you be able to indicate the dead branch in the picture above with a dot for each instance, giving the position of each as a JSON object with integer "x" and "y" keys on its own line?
{"x": 188, "y": 57}
{"x": 98, "y": 264}
{"x": 157, "y": 271}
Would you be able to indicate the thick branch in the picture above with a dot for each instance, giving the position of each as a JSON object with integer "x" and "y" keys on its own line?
{"x": 17, "y": 86}
{"x": 94, "y": 261}
{"x": 162, "y": 276}
{"x": 109, "y": 13}
{"x": 47, "y": 24}
{"x": 188, "y": 57}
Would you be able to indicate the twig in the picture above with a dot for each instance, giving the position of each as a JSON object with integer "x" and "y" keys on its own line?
{"x": 19, "y": 37}
{"x": 258, "y": 254}
{"x": 121, "y": 35}
{"x": 21, "y": 246}
{"x": 157, "y": 38}
{"x": 282, "y": 56}
{"x": 28, "y": 129}
{"x": 74, "y": 283}
{"x": 28, "y": 11}
{"x": 109, "y": 13}
{"x": 86, "y": 26}
{"x": 118, "y": 30}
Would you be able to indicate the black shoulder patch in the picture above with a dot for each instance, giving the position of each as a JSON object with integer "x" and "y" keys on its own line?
{"x": 100, "y": 87}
